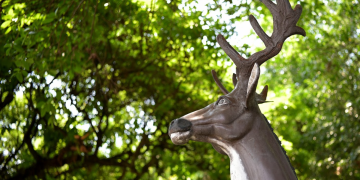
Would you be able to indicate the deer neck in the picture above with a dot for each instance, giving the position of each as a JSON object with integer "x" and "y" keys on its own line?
{"x": 259, "y": 155}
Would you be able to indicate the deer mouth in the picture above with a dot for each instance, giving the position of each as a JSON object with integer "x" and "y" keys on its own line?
{"x": 180, "y": 138}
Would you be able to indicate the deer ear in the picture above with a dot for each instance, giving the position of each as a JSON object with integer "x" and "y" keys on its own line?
{"x": 252, "y": 83}
{"x": 261, "y": 98}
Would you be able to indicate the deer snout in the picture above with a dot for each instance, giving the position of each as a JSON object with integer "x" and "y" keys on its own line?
{"x": 179, "y": 125}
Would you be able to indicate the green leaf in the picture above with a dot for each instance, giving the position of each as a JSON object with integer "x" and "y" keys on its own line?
{"x": 53, "y": 72}
{"x": 8, "y": 30}
{"x": 5, "y": 24}
{"x": 19, "y": 77}
{"x": 8, "y": 51}
{"x": 49, "y": 18}
{"x": 4, "y": 95}
{"x": 43, "y": 112}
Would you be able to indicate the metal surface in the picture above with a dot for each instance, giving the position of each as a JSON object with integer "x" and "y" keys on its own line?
{"x": 234, "y": 124}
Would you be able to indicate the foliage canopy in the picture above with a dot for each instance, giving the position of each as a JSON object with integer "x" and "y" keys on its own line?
{"x": 88, "y": 88}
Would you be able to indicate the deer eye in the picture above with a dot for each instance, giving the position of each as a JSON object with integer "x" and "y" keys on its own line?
{"x": 223, "y": 101}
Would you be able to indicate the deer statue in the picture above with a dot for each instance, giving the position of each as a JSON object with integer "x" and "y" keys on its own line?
{"x": 234, "y": 124}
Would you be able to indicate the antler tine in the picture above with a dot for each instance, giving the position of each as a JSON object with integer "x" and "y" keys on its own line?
{"x": 259, "y": 31}
{"x": 217, "y": 81}
{"x": 283, "y": 3}
{"x": 285, "y": 19}
{"x": 270, "y": 5}
{"x": 296, "y": 29}
{"x": 229, "y": 50}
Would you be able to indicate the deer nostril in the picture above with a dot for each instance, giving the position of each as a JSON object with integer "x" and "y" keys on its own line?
{"x": 184, "y": 124}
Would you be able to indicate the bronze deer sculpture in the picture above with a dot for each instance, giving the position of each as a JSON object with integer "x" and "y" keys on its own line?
{"x": 234, "y": 124}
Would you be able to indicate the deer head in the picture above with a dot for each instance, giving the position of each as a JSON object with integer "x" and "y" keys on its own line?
{"x": 235, "y": 115}
{"x": 228, "y": 119}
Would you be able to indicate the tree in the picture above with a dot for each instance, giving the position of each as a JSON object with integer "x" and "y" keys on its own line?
{"x": 88, "y": 88}
{"x": 100, "y": 82}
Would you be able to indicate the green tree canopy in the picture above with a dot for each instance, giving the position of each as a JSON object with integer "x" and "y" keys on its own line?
{"x": 88, "y": 88}
{"x": 100, "y": 82}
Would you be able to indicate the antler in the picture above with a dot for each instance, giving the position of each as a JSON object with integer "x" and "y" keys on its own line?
{"x": 217, "y": 81}
{"x": 284, "y": 18}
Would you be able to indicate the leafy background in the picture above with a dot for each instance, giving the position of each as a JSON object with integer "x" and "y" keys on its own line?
{"x": 88, "y": 88}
